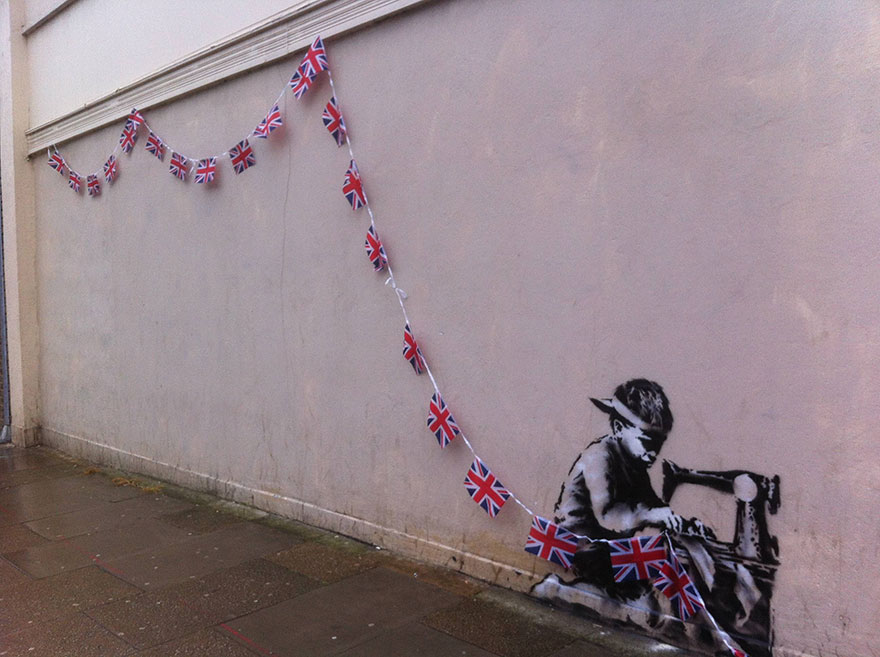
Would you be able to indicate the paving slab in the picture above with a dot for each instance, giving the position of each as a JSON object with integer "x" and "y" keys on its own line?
{"x": 34, "y": 602}
{"x": 493, "y": 628}
{"x": 49, "y": 559}
{"x": 204, "y": 643}
{"x": 343, "y": 615}
{"x": 13, "y": 458}
{"x": 19, "y": 537}
{"x": 47, "y": 497}
{"x": 29, "y": 475}
{"x": 323, "y": 562}
{"x": 11, "y": 575}
{"x": 199, "y": 519}
{"x": 200, "y": 555}
{"x": 75, "y": 634}
{"x": 107, "y": 515}
{"x": 415, "y": 639}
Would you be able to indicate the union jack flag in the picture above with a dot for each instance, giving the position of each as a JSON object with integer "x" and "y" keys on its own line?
{"x": 205, "y": 170}
{"x": 74, "y": 181}
{"x": 155, "y": 146}
{"x": 128, "y": 137}
{"x": 486, "y": 490}
{"x": 637, "y": 558}
{"x": 551, "y": 542}
{"x": 300, "y": 84}
{"x": 375, "y": 250}
{"x": 136, "y": 117}
{"x": 411, "y": 351}
{"x": 93, "y": 184}
{"x": 674, "y": 582}
{"x": 353, "y": 187}
{"x": 334, "y": 122}
{"x": 57, "y": 162}
{"x": 242, "y": 156}
{"x": 111, "y": 169}
{"x": 178, "y": 165}
{"x": 440, "y": 421}
{"x": 269, "y": 124}
{"x": 315, "y": 59}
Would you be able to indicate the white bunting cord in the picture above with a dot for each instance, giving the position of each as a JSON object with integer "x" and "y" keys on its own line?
{"x": 401, "y": 296}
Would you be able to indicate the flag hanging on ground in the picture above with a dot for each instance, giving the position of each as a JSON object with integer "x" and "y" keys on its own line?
{"x": 136, "y": 117}
{"x": 300, "y": 84}
{"x": 128, "y": 137}
{"x": 334, "y": 122}
{"x": 353, "y": 187}
{"x": 485, "y": 488}
{"x": 551, "y": 542}
{"x": 111, "y": 169}
{"x": 205, "y": 170}
{"x": 635, "y": 558}
{"x": 315, "y": 59}
{"x": 440, "y": 421}
{"x": 375, "y": 250}
{"x": 93, "y": 184}
{"x": 411, "y": 351}
{"x": 674, "y": 582}
{"x": 242, "y": 156}
{"x": 74, "y": 181}
{"x": 269, "y": 124}
{"x": 57, "y": 162}
{"x": 155, "y": 146}
{"x": 178, "y": 166}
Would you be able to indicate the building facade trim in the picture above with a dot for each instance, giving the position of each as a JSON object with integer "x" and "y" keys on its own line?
{"x": 258, "y": 45}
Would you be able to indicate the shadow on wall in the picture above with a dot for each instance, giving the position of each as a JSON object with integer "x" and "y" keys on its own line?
{"x": 608, "y": 495}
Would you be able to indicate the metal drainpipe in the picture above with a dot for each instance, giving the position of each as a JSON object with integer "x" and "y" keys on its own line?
{"x": 5, "y": 432}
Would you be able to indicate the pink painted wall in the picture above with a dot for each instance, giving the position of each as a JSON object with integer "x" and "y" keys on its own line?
{"x": 572, "y": 194}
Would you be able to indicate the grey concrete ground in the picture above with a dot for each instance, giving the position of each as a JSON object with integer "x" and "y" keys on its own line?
{"x": 98, "y": 563}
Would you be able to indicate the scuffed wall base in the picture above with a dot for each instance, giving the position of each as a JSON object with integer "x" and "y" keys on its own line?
{"x": 22, "y": 437}
{"x": 364, "y": 530}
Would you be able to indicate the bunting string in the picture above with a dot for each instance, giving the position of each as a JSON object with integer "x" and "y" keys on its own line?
{"x": 642, "y": 557}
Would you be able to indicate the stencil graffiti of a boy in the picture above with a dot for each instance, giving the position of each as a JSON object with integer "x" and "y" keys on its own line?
{"x": 608, "y": 494}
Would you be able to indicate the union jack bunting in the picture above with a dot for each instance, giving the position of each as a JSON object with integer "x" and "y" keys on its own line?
{"x": 269, "y": 124}
{"x": 128, "y": 137}
{"x": 242, "y": 156}
{"x": 440, "y": 421}
{"x": 111, "y": 169}
{"x": 93, "y": 184}
{"x": 57, "y": 162}
{"x": 353, "y": 187}
{"x": 637, "y": 558}
{"x": 205, "y": 170}
{"x": 178, "y": 165}
{"x": 334, "y": 122}
{"x": 411, "y": 351}
{"x": 300, "y": 84}
{"x": 551, "y": 542}
{"x": 674, "y": 582}
{"x": 74, "y": 181}
{"x": 136, "y": 117}
{"x": 486, "y": 490}
{"x": 375, "y": 250}
{"x": 315, "y": 59}
{"x": 155, "y": 146}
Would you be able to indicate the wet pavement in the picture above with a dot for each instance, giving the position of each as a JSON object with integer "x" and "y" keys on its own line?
{"x": 99, "y": 563}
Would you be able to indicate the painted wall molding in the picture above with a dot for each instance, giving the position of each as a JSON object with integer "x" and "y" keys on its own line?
{"x": 392, "y": 539}
{"x": 258, "y": 45}
{"x": 47, "y": 16}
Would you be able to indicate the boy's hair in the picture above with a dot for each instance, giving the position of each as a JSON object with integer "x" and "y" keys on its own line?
{"x": 647, "y": 400}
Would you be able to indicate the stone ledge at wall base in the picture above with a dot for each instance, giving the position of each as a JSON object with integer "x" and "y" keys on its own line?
{"x": 30, "y": 437}
{"x": 431, "y": 552}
